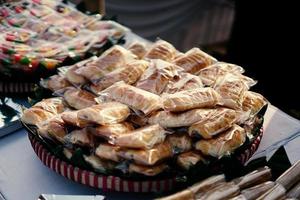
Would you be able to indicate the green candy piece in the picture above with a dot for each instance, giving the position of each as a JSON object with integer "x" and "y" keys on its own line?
{"x": 10, "y": 51}
{"x": 25, "y": 61}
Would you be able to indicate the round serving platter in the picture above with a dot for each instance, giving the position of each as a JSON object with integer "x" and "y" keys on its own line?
{"x": 120, "y": 184}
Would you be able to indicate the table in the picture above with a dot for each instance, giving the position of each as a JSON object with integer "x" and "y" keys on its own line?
{"x": 23, "y": 176}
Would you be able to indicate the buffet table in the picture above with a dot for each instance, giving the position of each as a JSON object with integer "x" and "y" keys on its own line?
{"x": 23, "y": 176}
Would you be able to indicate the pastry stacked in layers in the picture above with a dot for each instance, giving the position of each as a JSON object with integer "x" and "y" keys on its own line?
{"x": 144, "y": 105}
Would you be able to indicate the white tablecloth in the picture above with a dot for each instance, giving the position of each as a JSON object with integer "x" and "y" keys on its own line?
{"x": 280, "y": 129}
{"x": 23, "y": 176}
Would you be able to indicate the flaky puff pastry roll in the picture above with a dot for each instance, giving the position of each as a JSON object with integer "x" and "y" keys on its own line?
{"x": 80, "y": 137}
{"x": 180, "y": 142}
{"x": 34, "y": 116}
{"x": 108, "y": 152}
{"x": 185, "y": 81}
{"x": 110, "y": 60}
{"x": 161, "y": 50}
{"x": 70, "y": 71}
{"x": 129, "y": 73}
{"x": 104, "y": 113}
{"x": 98, "y": 164}
{"x": 71, "y": 118}
{"x": 138, "y": 48}
{"x": 111, "y": 131}
{"x": 210, "y": 74}
{"x": 146, "y": 170}
{"x": 136, "y": 98}
{"x": 189, "y": 99}
{"x": 172, "y": 120}
{"x": 232, "y": 89}
{"x": 53, "y": 128}
{"x": 138, "y": 120}
{"x": 55, "y": 82}
{"x": 223, "y": 144}
{"x": 218, "y": 121}
{"x": 142, "y": 138}
{"x": 54, "y": 105}
{"x": 253, "y": 102}
{"x": 194, "y": 60}
{"x": 188, "y": 159}
{"x": 147, "y": 157}
{"x": 78, "y": 98}
{"x": 74, "y": 77}
{"x": 157, "y": 76}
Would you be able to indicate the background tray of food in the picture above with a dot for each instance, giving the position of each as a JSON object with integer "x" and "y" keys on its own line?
{"x": 39, "y": 36}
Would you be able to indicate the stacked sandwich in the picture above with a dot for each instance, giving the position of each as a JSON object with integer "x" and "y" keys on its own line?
{"x": 145, "y": 105}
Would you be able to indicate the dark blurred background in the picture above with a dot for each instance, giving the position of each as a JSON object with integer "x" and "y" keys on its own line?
{"x": 258, "y": 35}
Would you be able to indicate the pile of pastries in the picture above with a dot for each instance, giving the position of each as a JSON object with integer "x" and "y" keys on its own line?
{"x": 46, "y": 32}
{"x": 142, "y": 105}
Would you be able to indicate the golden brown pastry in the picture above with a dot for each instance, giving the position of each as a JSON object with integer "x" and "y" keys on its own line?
{"x": 104, "y": 113}
{"x": 98, "y": 164}
{"x": 54, "y": 105}
{"x": 188, "y": 159}
{"x": 157, "y": 76}
{"x": 185, "y": 81}
{"x": 142, "y": 138}
{"x": 78, "y": 98}
{"x": 108, "y": 152}
{"x": 136, "y": 98}
{"x": 111, "y": 131}
{"x": 115, "y": 55}
{"x": 33, "y": 116}
{"x": 130, "y": 73}
{"x": 180, "y": 142}
{"x": 110, "y": 60}
{"x": 53, "y": 128}
{"x": 71, "y": 118}
{"x": 146, "y": 170}
{"x": 56, "y": 82}
{"x": 171, "y": 120}
{"x": 161, "y": 50}
{"x": 147, "y": 157}
{"x": 210, "y": 74}
{"x": 253, "y": 102}
{"x": 91, "y": 72}
{"x": 138, "y": 120}
{"x": 189, "y": 99}
{"x": 232, "y": 89}
{"x": 223, "y": 144}
{"x": 218, "y": 121}
{"x": 80, "y": 137}
{"x": 72, "y": 76}
{"x": 194, "y": 60}
{"x": 138, "y": 48}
